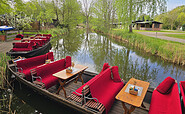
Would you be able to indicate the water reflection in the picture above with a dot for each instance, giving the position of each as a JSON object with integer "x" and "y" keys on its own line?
{"x": 94, "y": 50}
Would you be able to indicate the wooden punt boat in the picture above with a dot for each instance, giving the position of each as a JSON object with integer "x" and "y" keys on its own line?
{"x": 60, "y": 98}
{"x": 35, "y": 52}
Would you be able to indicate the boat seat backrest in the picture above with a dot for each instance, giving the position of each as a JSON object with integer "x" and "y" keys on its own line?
{"x": 31, "y": 62}
{"x": 107, "y": 87}
{"x": 49, "y": 69}
{"x": 21, "y": 44}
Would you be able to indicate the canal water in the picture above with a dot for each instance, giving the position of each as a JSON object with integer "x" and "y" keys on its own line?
{"x": 93, "y": 50}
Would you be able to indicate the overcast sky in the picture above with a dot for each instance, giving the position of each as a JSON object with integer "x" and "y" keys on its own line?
{"x": 171, "y": 4}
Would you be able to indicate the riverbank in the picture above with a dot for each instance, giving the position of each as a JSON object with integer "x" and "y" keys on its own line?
{"x": 168, "y": 50}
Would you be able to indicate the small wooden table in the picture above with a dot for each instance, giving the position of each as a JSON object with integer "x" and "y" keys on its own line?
{"x": 63, "y": 76}
{"x": 134, "y": 101}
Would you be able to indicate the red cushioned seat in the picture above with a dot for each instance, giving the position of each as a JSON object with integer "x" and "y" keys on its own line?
{"x": 46, "y": 72}
{"x": 103, "y": 87}
{"x": 79, "y": 90}
{"x": 23, "y": 46}
{"x": 166, "y": 103}
{"x": 50, "y": 56}
{"x": 30, "y": 63}
{"x": 44, "y": 35}
{"x": 182, "y": 90}
{"x": 21, "y": 49}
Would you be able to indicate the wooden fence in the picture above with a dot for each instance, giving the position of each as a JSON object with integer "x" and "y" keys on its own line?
{"x": 10, "y": 35}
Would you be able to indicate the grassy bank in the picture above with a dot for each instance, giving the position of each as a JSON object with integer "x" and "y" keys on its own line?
{"x": 180, "y": 36}
{"x": 167, "y": 50}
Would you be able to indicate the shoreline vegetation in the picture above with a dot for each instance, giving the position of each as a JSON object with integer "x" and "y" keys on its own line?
{"x": 168, "y": 50}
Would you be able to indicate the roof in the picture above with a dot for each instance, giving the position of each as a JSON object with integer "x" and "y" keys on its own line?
{"x": 147, "y": 22}
{"x": 5, "y": 28}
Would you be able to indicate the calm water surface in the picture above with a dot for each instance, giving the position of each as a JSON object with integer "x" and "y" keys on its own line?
{"x": 94, "y": 50}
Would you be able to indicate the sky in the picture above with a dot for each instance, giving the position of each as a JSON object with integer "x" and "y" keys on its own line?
{"x": 171, "y": 4}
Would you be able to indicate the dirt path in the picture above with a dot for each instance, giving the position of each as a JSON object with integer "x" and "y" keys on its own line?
{"x": 161, "y": 35}
{"x": 6, "y": 46}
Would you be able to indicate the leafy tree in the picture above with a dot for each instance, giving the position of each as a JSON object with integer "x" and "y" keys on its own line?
{"x": 129, "y": 10}
{"x": 103, "y": 13}
{"x": 5, "y": 6}
{"x": 17, "y": 21}
{"x": 172, "y": 19}
{"x": 181, "y": 19}
{"x": 71, "y": 13}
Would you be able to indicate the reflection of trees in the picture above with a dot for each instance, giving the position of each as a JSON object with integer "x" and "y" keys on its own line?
{"x": 68, "y": 44}
{"x": 102, "y": 50}
{"x": 169, "y": 69}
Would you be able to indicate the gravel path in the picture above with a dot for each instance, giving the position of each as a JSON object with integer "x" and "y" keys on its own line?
{"x": 161, "y": 35}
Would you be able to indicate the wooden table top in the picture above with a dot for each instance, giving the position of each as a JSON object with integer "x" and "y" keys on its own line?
{"x": 64, "y": 75}
{"x": 132, "y": 99}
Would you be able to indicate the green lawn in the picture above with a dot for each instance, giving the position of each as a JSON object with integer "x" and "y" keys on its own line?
{"x": 180, "y": 36}
{"x": 168, "y": 50}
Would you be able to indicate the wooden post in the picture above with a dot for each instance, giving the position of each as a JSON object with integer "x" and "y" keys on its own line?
{"x": 5, "y": 36}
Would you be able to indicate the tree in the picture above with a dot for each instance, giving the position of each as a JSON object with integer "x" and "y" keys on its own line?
{"x": 181, "y": 19}
{"x": 87, "y": 6}
{"x": 71, "y": 13}
{"x": 5, "y": 6}
{"x": 129, "y": 10}
{"x": 103, "y": 13}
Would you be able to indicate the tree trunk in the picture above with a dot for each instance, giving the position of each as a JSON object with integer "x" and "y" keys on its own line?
{"x": 130, "y": 28}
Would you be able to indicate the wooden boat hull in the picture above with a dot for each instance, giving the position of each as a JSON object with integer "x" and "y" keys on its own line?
{"x": 36, "y": 52}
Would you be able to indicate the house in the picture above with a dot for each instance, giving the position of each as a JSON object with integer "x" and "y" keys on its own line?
{"x": 147, "y": 25}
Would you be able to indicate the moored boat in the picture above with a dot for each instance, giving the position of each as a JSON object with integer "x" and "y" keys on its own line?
{"x": 31, "y": 47}
{"x": 51, "y": 90}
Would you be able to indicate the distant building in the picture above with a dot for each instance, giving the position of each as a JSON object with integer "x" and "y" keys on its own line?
{"x": 147, "y": 25}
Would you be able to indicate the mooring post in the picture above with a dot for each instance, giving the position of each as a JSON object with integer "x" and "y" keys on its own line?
{"x": 156, "y": 34}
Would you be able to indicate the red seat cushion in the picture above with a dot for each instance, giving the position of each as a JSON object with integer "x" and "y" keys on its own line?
{"x": 68, "y": 61}
{"x": 50, "y": 81}
{"x": 166, "y": 103}
{"x": 49, "y": 55}
{"x": 105, "y": 66}
{"x": 105, "y": 89}
{"x": 116, "y": 76}
{"x": 21, "y": 49}
{"x": 182, "y": 90}
{"x": 165, "y": 86}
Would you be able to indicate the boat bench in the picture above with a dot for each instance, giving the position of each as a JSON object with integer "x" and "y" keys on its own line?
{"x": 43, "y": 75}
{"x": 40, "y": 42}
{"x": 102, "y": 88}
{"x": 24, "y": 66}
{"x": 44, "y": 38}
{"x": 23, "y": 46}
{"x": 165, "y": 98}
{"x": 182, "y": 94}
{"x": 49, "y": 35}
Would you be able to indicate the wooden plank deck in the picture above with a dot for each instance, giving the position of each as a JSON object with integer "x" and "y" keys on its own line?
{"x": 116, "y": 107}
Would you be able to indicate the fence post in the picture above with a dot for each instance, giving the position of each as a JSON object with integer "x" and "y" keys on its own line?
{"x": 5, "y": 36}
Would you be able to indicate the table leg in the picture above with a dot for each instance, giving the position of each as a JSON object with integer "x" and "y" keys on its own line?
{"x": 80, "y": 76}
{"x": 61, "y": 87}
{"x": 128, "y": 111}
{"x": 132, "y": 108}
{"x": 125, "y": 108}
{"x": 143, "y": 105}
